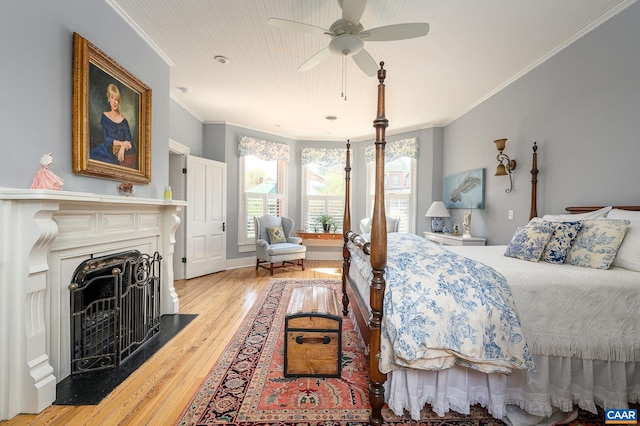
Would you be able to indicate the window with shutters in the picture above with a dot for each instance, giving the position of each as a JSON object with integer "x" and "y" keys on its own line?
{"x": 263, "y": 180}
{"x": 322, "y": 187}
{"x": 399, "y": 181}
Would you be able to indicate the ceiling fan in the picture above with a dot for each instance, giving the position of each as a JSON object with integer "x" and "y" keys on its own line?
{"x": 348, "y": 36}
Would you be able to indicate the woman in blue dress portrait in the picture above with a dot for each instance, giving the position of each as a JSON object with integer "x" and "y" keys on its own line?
{"x": 116, "y": 133}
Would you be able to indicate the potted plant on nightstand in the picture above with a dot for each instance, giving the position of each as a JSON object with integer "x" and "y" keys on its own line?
{"x": 326, "y": 222}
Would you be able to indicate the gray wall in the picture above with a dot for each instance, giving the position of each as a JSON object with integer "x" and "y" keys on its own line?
{"x": 185, "y": 128}
{"x": 582, "y": 107}
{"x": 214, "y": 142}
{"x": 35, "y": 116}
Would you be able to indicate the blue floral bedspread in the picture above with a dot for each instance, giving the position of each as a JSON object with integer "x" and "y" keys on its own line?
{"x": 442, "y": 309}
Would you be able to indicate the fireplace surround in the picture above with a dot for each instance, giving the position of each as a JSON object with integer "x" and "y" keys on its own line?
{"x": 45, "y": 236}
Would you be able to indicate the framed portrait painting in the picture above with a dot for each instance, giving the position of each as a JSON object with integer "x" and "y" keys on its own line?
{"x": 464, "y": 190}
{"x": 111, "y": 118}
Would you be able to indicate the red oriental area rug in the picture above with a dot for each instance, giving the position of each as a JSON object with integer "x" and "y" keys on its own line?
{"x": 247, "y": 385}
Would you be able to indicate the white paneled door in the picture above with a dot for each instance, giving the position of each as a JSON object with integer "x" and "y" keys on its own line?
{"x": 206, "y": 237}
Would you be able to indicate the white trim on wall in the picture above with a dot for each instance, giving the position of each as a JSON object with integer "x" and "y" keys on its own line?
{"x": 140, "y": 32}
{"x": 176, "y": 147}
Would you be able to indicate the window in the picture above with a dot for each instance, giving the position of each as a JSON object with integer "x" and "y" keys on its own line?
{"x": 263, "y": 180}
{"x": 322, "y": 186}
{"x": 399, "y": 181}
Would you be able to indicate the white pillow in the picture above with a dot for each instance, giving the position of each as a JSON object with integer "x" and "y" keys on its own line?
{"x": 580, "y": 216}
{"x": 628, "y": 256}
{"x": 624, "y": 214}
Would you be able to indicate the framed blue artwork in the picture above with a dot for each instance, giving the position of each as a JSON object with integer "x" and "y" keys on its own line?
{"x": 464, "y": 190}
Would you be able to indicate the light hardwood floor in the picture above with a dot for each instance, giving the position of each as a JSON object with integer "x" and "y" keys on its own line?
{"x": 158, "y": 391}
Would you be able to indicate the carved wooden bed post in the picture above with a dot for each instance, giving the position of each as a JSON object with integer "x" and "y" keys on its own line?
{"x": 534, "y": 182}
{"x": 378, "y": 260}
{"x": 346, "y": 227}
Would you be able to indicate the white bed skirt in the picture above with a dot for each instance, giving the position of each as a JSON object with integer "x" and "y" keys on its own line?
{"x": 558, "y": 382}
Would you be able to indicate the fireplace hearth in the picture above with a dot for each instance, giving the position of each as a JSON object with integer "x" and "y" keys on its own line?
{"x": 115, "y": 308}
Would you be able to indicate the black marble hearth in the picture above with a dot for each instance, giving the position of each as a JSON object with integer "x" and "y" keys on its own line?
{"x": 92, "y": 387}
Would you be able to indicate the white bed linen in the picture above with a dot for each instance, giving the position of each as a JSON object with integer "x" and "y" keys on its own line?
{"x": 558, "y": 381}
{"x": 568, "y": 310}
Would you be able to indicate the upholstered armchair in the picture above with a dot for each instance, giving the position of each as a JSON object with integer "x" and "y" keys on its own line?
{"x": 392, "y": 225}
{"x": 274, "y": 243}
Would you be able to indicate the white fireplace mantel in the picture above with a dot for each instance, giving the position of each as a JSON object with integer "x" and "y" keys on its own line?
{"x": 45, "y": 234}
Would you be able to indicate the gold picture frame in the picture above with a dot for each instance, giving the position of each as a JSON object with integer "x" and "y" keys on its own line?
{"x": 100, "y": 133}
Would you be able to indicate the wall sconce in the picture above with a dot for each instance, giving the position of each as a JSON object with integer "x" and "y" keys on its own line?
{"x": 505, "y": 164}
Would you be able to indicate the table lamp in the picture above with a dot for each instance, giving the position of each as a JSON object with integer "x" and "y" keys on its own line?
{"x": 436, "y": 212}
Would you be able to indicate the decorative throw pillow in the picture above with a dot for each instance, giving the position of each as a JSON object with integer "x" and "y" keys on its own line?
{"x": 597, "y": 243}
{"x": 276, "y": 235}
{"x": 560, "y": 242}
{"x": 528, "y": 243}
{"x": 628, "y": 256}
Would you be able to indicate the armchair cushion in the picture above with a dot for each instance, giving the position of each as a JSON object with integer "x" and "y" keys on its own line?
{"x": 283, "y": 249}
{"x": 276, "y": 235}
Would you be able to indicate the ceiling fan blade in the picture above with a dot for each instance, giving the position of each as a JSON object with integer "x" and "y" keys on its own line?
{"x": 395, "y": 32}
{"x": 366, "y": 63}
{"x": 315, "y": 59}
{"x": 297, "y": 26}
{"x": 352, "y": 10}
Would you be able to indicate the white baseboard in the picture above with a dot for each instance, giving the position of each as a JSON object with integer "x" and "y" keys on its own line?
{"x": 241, "y": 262}
{"x": 324, "y": 255}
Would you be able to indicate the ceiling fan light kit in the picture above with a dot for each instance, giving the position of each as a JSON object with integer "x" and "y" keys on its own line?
{"x": 348, "y": 36}
{"x": 346, "y": 44}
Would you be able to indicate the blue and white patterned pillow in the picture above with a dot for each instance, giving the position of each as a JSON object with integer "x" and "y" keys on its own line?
{"x": 597, "y": 243}
{"x": 529, "y": 242}
{"x": 561, "y": 240}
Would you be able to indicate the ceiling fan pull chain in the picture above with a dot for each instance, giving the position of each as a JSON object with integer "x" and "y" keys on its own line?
{"x": 344, "y": 78}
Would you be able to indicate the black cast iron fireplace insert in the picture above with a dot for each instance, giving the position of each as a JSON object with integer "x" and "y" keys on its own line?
{"x": 115, "y": 308}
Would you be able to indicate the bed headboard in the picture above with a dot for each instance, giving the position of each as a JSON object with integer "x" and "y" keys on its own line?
{"x": 575, "y": 210}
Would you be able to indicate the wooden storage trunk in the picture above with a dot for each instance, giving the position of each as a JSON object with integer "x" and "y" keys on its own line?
{"x": 313, "y": 334}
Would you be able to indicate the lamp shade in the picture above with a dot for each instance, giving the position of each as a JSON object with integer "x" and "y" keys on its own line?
{"x": 436, "y": 212}
{"x": 501, "y": 170}
{"x": 437, "y": 209}
{"x": 500, "y": 144}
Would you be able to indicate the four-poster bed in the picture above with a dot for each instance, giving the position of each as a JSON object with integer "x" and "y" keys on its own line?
{"x": 504, "y": 375}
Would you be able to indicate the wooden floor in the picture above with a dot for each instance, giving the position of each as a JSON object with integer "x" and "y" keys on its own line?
{"x": 158, "y": 391}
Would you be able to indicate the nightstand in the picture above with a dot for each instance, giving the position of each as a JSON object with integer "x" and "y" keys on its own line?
{"x": 454, "y": 240}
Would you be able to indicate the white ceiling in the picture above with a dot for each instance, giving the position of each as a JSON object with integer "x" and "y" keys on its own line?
{"x": 473, "y": 49}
